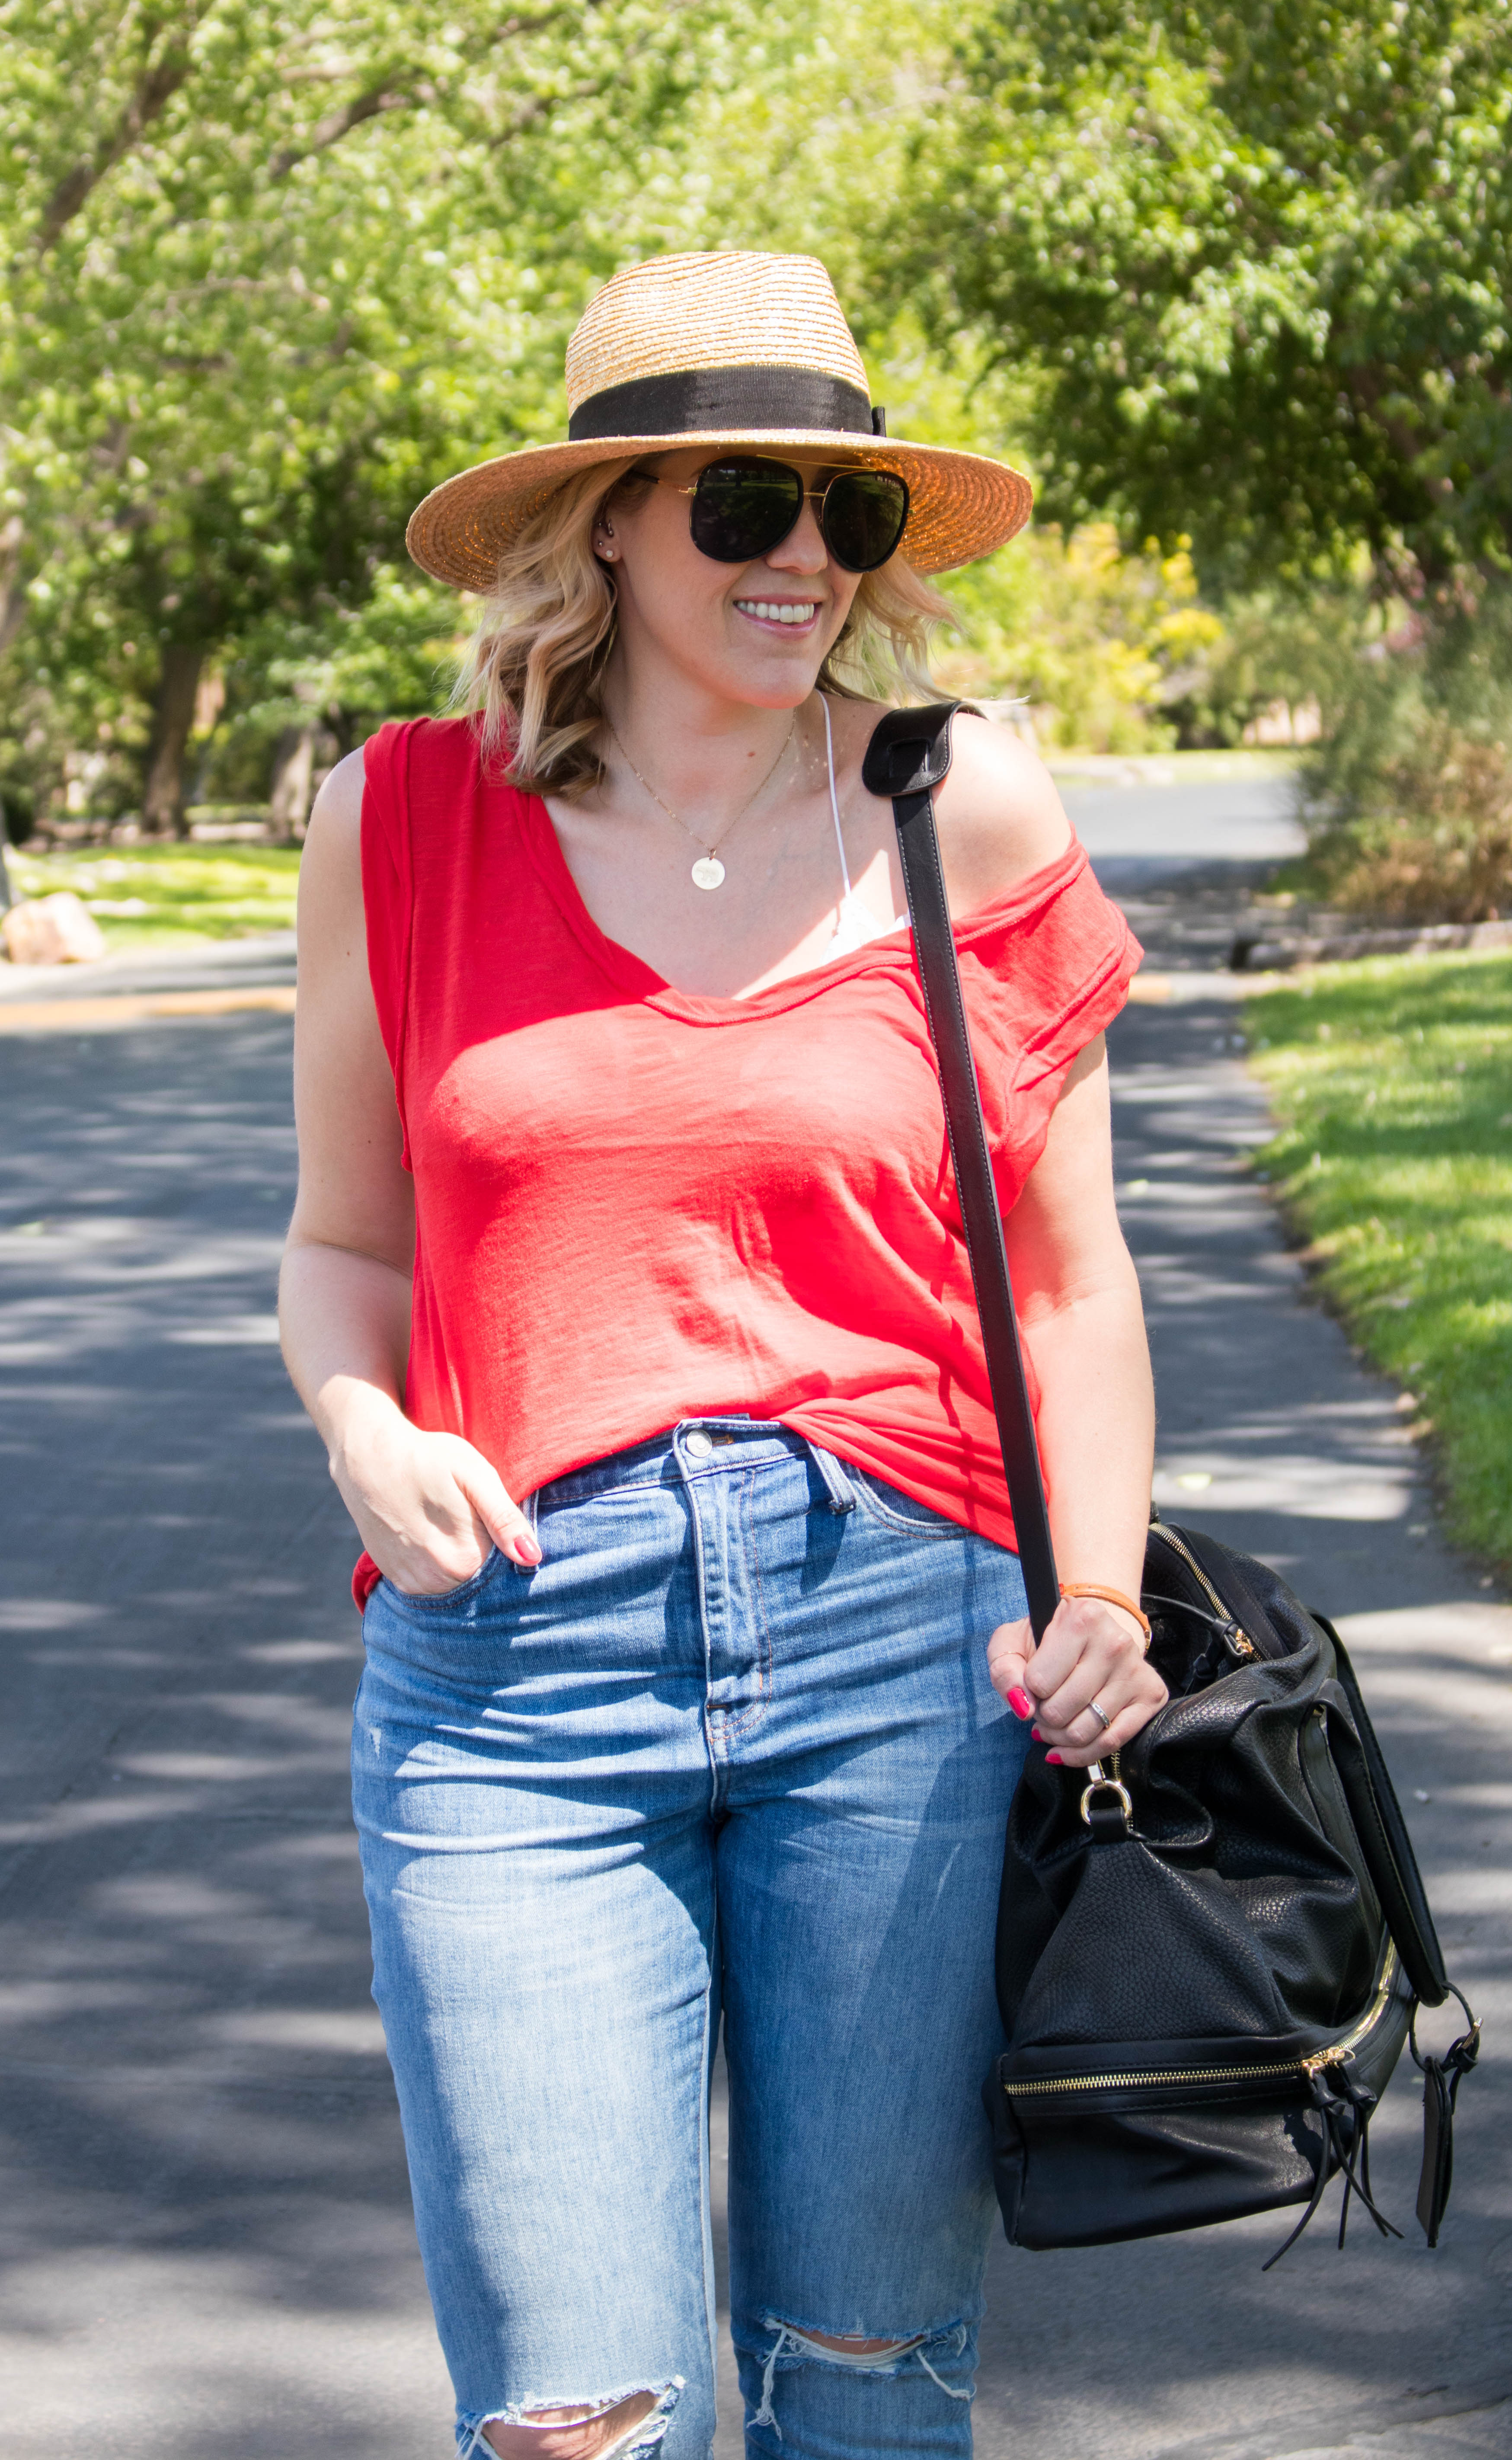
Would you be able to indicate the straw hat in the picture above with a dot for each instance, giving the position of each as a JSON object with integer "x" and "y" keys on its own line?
{"x": 731, "y": 350}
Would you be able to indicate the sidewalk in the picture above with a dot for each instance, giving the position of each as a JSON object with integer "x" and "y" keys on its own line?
{"x": 214, "y": 979}
{"x": 263, "y": 957}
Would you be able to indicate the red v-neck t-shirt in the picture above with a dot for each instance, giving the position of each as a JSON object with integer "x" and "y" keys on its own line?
{"x": 636, "y": 1205}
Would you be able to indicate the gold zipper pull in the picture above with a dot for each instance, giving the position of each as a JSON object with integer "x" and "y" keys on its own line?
{"x": 1235, "y": 1638}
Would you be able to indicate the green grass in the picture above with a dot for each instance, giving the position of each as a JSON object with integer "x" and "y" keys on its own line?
{"x": 1392, "y": 1081}
{"x": 172, "y": 896}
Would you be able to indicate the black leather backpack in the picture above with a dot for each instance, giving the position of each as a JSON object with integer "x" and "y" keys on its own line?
{"x": 1211, "y": 1951}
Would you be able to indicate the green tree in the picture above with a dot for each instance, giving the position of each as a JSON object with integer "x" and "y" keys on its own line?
{"x": 1262, "y": 260}
{"x": 270, "y": 272}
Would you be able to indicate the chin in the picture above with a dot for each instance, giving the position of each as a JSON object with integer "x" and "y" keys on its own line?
{"x": 776, "y": 692}
{"x": 779, "y": 675}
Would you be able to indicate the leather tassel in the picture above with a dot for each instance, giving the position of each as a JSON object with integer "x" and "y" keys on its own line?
{"x": 1346, "y": 2115}
{"x": 1440, "y": 2091}
{"x": 1356, "y": 2135}
{"x": 1319, "y": 2189}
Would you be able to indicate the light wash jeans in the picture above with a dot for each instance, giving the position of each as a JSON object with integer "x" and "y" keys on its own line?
{"x": 729, "y": 1753}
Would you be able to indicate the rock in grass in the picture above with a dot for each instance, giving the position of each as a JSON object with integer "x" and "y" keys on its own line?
{"x": 56, "y": 930}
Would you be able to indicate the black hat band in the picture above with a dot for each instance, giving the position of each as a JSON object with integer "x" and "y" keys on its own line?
{"x": 712, "y": 399}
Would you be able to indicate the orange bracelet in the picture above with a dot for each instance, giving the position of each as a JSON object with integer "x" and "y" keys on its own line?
{"x": 1110, "y": 1598}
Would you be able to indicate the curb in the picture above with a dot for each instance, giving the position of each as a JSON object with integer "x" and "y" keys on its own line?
{"x": 110, "y": 1013}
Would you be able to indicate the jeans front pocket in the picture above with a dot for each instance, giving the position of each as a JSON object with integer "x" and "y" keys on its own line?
{"x": 442, "y": 1600}
{"x": 462, "y": 1636}
{"x": 895, "y": 1511}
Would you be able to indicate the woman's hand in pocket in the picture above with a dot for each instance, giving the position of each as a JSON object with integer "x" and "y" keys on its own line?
{"x": 429, "y": 1507}
{"x": 1090, "y": 1652}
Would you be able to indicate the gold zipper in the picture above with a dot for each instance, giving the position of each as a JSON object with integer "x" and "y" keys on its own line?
{"x": 1241, "y": 1643}
{"x": 1344, "y": 2047}
{"x": 1152, "y": 2075}
{"x": 1339, "y": 2053}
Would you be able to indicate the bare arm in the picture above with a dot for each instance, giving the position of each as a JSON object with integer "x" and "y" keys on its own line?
{"x": 428, "y": 1506}
{"x": 1083, "y": 1325}
{"x": 1078, "y": 1307}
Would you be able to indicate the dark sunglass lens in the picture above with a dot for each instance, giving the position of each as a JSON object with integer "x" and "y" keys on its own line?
{"x": 741, "y": 509}
{"x": 866, "y": 513}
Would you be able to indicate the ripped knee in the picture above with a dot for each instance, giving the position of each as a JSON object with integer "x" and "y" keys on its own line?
{"x": 854, "y": 2352}
{"x": 849, "y": 2344}
{"x": 585, "y": 2431}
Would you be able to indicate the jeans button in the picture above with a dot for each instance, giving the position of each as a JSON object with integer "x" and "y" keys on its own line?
{"x": 699, "y": 1446}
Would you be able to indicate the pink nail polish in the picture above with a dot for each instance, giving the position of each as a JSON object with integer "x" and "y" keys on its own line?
{"x": 1020, "y": 1702}
{"x": 526, "y": 1549}
{"x": 1053, "y": 1759}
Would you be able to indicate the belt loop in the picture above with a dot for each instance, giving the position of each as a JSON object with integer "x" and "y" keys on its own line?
{"x": 836, "y": 1483}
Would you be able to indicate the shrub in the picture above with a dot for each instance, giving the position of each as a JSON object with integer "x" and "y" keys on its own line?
{"x": 1408, "y": 801}
{"x": 1085, "y": 633}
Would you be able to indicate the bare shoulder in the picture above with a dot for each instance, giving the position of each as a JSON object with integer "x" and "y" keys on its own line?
{"x": 335, "y": 823}
{"x": 330, "y": 868}
{"x": 353, "y": 1191}
{"x": 1000, "y": 816}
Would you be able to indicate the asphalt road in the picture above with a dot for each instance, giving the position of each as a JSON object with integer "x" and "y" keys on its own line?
{"x": 1153, "y": 820}
{"x": 1184, "y": 855}
{"x": 204, "y": 2217}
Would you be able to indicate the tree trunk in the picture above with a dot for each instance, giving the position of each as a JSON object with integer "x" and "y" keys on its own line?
{"x": 293, "y": 770}
{"x": 172, "y": 722}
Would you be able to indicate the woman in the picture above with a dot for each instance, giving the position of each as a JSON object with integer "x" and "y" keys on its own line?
{"x": 626, "y": 1288}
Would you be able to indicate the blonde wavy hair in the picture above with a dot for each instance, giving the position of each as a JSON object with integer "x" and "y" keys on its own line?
{"x": 533, "y": 671}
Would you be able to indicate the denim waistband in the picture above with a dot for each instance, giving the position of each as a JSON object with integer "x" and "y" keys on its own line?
{"x": 678, "y": 1458}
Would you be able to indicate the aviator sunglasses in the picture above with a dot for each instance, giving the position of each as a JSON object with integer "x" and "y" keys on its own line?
{"x": 742, "y": 508}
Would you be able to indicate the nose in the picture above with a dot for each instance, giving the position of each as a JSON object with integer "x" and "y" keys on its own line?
{"x": 803, "y": 549}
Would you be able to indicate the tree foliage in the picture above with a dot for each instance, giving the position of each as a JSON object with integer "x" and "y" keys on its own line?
{"x": 1235, "y": 279}
{"x": 272, "y": 273}
{"x": 1261, "y": 257}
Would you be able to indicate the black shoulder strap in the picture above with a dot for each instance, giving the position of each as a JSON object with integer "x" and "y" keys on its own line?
{"x": 1388, "y": 1846}
{"x": 906, "y": 759}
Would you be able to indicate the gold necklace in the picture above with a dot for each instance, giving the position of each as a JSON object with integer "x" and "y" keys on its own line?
{"x": 707, "y": 872}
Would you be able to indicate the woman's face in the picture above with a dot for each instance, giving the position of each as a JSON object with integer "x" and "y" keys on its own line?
{"x": 720, "y": 623}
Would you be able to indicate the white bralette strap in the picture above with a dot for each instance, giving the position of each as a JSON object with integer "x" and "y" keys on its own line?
{"x": 834, "y": 799}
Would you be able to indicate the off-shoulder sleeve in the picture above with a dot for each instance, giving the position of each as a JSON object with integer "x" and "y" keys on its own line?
{"x": 1082, "y": 960}
{"x": 1043, "y": 980}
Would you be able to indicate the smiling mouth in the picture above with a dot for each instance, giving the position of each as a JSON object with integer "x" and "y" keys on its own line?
{"x": 789, "y": 612}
